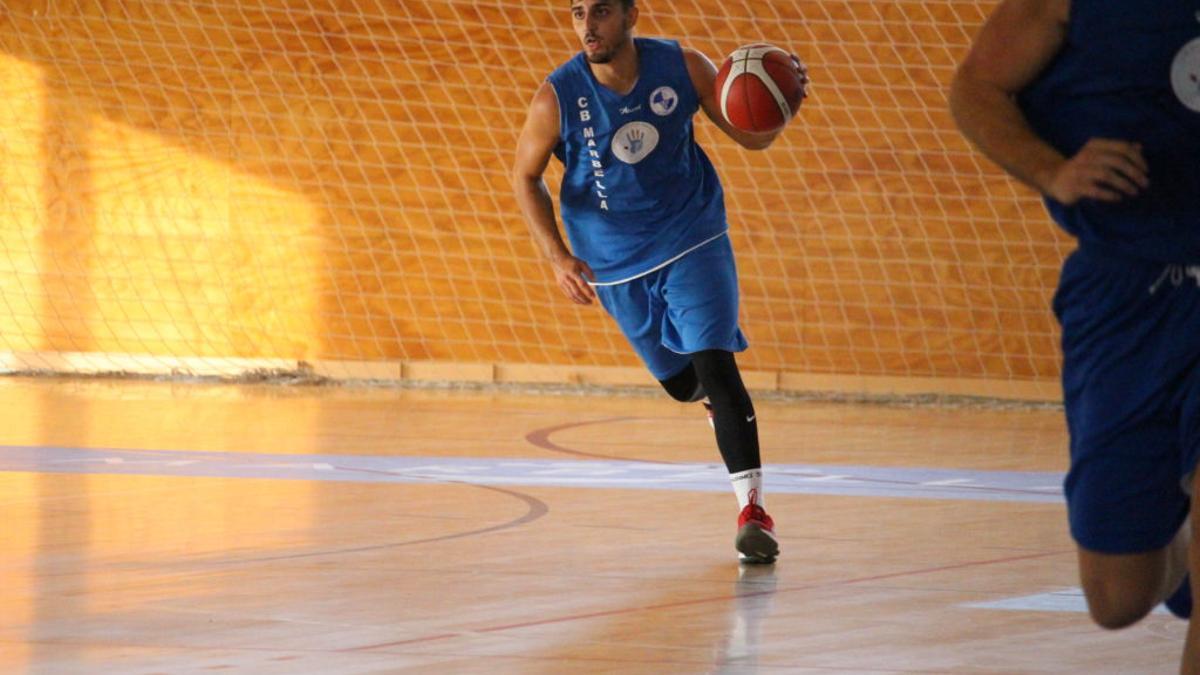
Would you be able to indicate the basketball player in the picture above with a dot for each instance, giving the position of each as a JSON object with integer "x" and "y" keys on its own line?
{"x": 645, "y": 214}
{"x": 1096, "y": 104}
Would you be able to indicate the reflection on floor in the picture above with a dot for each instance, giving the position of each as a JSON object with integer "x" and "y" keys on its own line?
{"x": 168, "y": 528}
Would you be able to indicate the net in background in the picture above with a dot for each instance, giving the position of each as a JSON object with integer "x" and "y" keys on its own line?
{"x": 220, "y": 186}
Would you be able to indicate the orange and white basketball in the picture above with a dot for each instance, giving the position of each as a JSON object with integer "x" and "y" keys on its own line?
{"x": 759, "y": 88}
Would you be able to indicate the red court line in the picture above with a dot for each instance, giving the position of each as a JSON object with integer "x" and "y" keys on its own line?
{"x": 292, "y": 652}
{"x": 536, "y": 509}
{"x": 541, "y": 439}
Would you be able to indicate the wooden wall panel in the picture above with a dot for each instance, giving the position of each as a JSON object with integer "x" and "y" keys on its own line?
{"x": 328, "y": 180}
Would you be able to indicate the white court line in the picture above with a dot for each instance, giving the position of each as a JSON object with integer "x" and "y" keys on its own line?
{"x": 1062, "y": 600}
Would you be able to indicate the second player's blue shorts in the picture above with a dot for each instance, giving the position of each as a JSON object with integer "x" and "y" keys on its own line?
{"x": 688, "y": 306}
{"x": 1131, "y": 386}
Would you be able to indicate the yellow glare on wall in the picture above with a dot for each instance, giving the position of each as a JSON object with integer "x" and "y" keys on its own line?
{"x": 22, "y": 111}
{"x": 192, "y": 258}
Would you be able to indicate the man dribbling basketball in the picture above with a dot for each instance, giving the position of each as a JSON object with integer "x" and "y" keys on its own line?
{"x": 645, "y": 215}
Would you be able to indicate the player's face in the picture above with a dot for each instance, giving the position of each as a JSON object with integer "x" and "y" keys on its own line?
{"x": 603, "y": 26}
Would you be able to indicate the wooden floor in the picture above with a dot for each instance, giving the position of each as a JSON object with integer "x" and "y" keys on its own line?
{"x": 180, "y": 528}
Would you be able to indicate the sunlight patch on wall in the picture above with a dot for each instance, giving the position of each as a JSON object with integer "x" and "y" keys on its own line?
{"x": 191, "y": 258}
{"x": 22, "y": 113}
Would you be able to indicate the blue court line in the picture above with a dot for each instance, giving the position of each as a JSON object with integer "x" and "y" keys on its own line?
{"x": 862, "y": 481}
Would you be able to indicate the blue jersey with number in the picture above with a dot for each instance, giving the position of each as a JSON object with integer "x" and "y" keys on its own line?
{"x": 637, "y": 191}
{"x": 1129, "y": 71}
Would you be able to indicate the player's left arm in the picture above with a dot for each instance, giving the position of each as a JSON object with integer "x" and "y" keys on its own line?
{"x": 704, "y": 76}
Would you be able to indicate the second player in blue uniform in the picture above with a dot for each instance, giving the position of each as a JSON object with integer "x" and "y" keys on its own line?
{"x": 1096, "y": 104}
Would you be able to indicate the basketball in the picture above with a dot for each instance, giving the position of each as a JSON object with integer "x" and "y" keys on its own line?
{"x": 758, "y": 88}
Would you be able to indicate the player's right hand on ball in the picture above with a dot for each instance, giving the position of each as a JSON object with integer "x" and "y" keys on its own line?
{"x": 802, "y": 70}
{"x": 572, "y": 275}
{"x": 1104, "y": 169}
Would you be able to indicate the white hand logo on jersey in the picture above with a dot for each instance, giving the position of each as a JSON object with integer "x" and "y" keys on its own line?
{"x": 634, "y": 142}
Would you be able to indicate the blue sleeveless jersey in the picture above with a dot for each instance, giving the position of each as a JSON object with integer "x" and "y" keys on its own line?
{"x": 637, "y": 192}
{"x": 1129, "y": 71}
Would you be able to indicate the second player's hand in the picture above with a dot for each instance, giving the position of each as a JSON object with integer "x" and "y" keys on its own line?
{"x": 572, "y": 276}
{"x": 1105, "y": 170}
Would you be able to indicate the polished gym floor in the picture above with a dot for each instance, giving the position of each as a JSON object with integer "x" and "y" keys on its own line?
{"x": 168, "y": 528}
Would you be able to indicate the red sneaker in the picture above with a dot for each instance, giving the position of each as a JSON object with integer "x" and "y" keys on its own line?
{"x": 755, "y": 542}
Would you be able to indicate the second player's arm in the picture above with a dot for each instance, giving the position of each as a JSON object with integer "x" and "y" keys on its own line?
{"x": 535, "y": 146}
{"x": 1018, "y": 41}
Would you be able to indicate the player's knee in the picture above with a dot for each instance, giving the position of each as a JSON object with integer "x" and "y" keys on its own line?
{"x": 686, "y": 394}
{"x": 1116, "y": 617}
{"x": 714, "y": 361}
{"x": 684, "y": 386}
{"x": 1115, "y": 605}
{"x": 718, "y": 373}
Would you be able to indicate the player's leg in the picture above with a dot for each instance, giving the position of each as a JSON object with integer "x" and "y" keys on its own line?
{"x": 1122, "y": 589}
{"x": 684, "y": 386}
{"x": 1128, "y": 514}
{"x": 638, "y": 308}
{"x": 701, "y": 323}
{"x": 1126, "y": 508}
{"x": 736, "y": 427}
{"x": 1190, "y": 440}
{"x": 701, "y": 320}
{"x": 1191, "y": 646}
{"x": 734, "y": 419}
{"x": 1122, "y": 358}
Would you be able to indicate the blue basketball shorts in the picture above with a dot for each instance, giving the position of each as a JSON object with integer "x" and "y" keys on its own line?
{"x": 1131, "y": 388}
{"x": 687, "y": 306}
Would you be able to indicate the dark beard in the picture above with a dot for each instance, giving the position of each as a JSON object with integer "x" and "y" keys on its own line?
{"x": 607, "y": 55}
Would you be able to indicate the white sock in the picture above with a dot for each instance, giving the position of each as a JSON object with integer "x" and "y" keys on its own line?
{"x": 748, "y": 487}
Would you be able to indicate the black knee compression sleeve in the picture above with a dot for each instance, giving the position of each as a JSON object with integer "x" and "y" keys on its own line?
{"x": 733, "y": 411}
{"x": 684, "y": 386}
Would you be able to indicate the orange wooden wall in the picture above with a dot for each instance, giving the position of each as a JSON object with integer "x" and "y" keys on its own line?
{"x": 329, "y": 180}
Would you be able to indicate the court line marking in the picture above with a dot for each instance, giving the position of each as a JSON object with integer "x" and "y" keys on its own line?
{"x": 541, "y": 438}
{"x": 537, "y": 509}
{"x": 859, "y": 481}
{"x": 1061, "y": 600}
